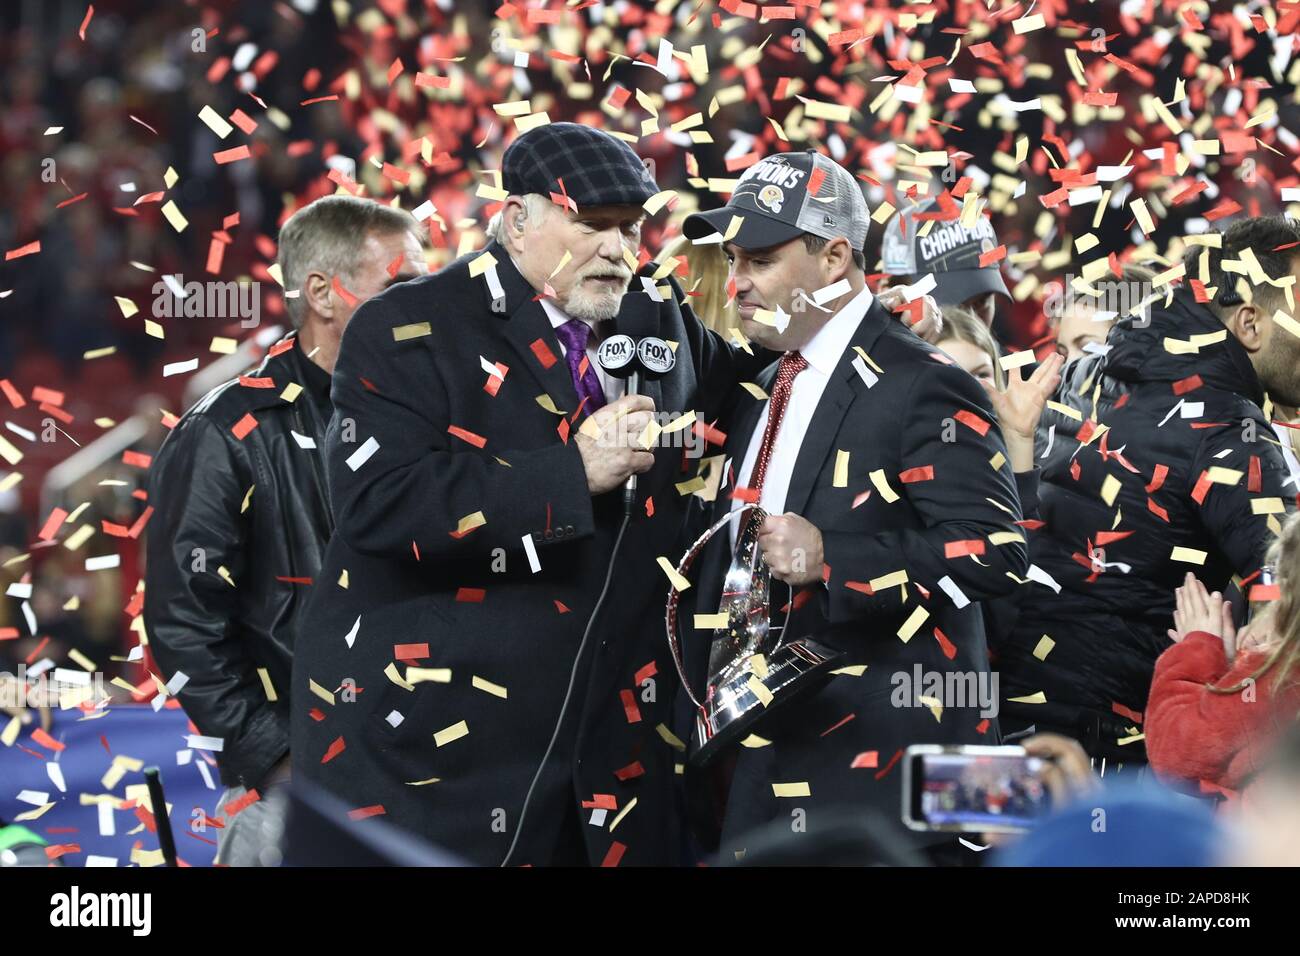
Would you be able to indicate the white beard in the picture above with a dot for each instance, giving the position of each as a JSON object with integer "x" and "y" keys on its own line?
{"x": 592, "y": 306}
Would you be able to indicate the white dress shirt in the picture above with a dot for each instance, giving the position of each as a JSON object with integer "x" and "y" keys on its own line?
{"x": 823, "y": 354}
{"x": 613, "y": 386}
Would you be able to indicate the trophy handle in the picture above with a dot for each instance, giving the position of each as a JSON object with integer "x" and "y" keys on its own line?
{"x": 670, "y": 617}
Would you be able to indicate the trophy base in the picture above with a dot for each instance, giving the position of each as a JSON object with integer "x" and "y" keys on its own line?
{"x": 734, "y": 706}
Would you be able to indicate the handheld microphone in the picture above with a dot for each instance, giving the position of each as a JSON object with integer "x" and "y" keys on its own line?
{"x": 635, "y": 353}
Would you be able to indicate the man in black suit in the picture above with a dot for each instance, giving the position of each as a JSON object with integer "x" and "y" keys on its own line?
{"x": 484, "y": 662}
{"x": 891, "y": 510}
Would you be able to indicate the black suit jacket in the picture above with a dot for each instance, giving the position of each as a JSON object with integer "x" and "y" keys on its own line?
{"x": 921, "y": 411}
{"x": 452, "y": 758}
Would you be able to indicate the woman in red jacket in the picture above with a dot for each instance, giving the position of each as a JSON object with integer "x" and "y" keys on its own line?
{"x": 1218, "y": 698}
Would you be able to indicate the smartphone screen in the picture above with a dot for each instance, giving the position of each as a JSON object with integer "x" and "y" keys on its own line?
{"x": 973, "y": 789}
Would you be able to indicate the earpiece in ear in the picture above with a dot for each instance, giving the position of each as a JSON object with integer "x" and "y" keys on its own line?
{"x": 519, "y": 223}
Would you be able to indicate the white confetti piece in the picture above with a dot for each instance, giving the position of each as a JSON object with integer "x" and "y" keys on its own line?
{"x": 93, "y": 860}
{"x": 55, "y": 772}
{"x": 107, "y": 825}
{"x": 303, "y": 441}
{"x": 199, "y": 742}
{"x": 363, "y": 454}
{"x": 180, "y": 368}
{"x": 833, "y": 291}
{"x": 1038, "y": 575}
{"x": 530, "y": 549}
{"x": 179, "y": 680}
{"x": 351, "y": 635}
{"x": 36, "y": 798}
{"x": 961, "y": 86}
{"x": 955, "y": 594}
{"x": 394, "y": 718}
{"x": 103, "y": 562}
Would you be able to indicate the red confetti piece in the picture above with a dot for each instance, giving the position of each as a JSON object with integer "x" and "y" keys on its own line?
{"x": 471, "y": 595}
{"x": 336, "y": 748}
{"x": 959, "y": 549}
{"x": 561, "y": 607}
{"x": 1189, "y": 384}
{"x": 973, "y": 422}
{"x": 243, "y": 803}
{"x": 85, "y": 21}
{"x": 56, "y": 850}
{"x": 395, "y": 70}
{"x": 860, "y": 586}
{"x": 868, "y": 760}
{"x": 889, "y": 766}
{"x": 1254, "y": 477}
{"x": 1123, "y": 711}
{"x": 243, "y": 121}
{"x": 601, "y": 801}
{"x": 1157, "y": 479}
{"x": 616, "y": 849}
{"x": 69, "y": 202}
{"x": 478, "y": 441}
{"x": 28, "y": 250}
{"x": 945, "y": 645}
{"x": 319, "y": 99}
{"x": 838, "y": 724}
{"x": 630, "y": 772}
{"x": 1202, "y": 488}
{"x": 46, "y": 741}
{"x": 983, "y": 726}
{"x": 1265, "y": 592}
{"x": 136, "y": 459}
{"x": 225, "y": 156}
{"x": 362, "y": 813}
{"x": 1110, "y": 537}
{"x": 924, "y": 473}
{"x": 348, "y": 298}
{"x": 645, "y": 673}
{"x": 861, "y": 498}
{"x": 410, "y": 652}
{"x": 815, "y": 180}
{"x": 395, "y": 265}
{"x": 242, "y": 427}
{"x": 543, "y": 353}
{"x": 993, "y": 255}
{"x": 630, "y": 709}
{"x": 11, "y": 393}
{"x": 247, "y": 382}
{"x": 51, "y": 526}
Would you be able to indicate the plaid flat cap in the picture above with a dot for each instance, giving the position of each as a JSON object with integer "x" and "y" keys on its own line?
{"x": 597, "y": 168}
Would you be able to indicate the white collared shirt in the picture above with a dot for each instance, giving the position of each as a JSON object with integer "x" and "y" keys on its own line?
{"x": 823, "y": 354}
{"x": 613, "y": 386}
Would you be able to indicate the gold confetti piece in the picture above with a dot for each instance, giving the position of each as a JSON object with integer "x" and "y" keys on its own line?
{"x": 834, "y": 112}
{"x": 291, "y": 392}
{"x": 422, "y": 783}
{"x": 174, "y": 216}
{"x": 1028, "y": 24}
{"x": 1005, "y": 537}
{"x": 1280, "y": 318}
{"x": 851, "y": 670}
{"x": 248, "y": 497}
{"x": 882, "y": 213}
{"x": 415, "y": 330}
{"x": 679, "y": 583}
{"x": 421, "y": 675}
{"x": 10, "y": 733}
{"x": 1038, "y": 698}
{"x": 479, "y": 683}
{"x": 320, "y": 692}
{"x": 758, "y": 664}
{"x": 170, "y": 179}
{"x": 756, "y": 687}
{"x": 549, "y": 404}
{"x": 710, "y": 622}
{"x": 754, "y": 390}
{"x": 481, "y": 264}
{"x": 841, "y": 476}
{"x": 470, "y": 522}
{"x": 564, "y": 261}
{"x": 454, "y": 732}
{"x": 126, "y": 305}
{"x": 882, "y": 485}
{"x": 154, "y": 329}
{"x": 733, "y": 227}
{"x": 525, "y": 123}
{"x": 1143, "y": 216}
{"x": 8, "y": 452}
{"x": 1017, "y": 359}
{"x": 801, "y": 789}
{"x": 656, "y": 203}
{"x": 215, "y": 122}
{"x": 754, "y": 741}
{"x": 81, "y": 660}
{"x": 670, "y": 738}
{"x": 690, "y": 487}
{"x": 343, "y": 578}
{"x": 1267, "y": 506}
{"x": 893, "y": 579}
{"x": 33, "y": 814}
{"x": 1224, "y": 476}
{"x": 680, "y": 422}
{"x": 649, "y": 435}
{"x": 223, "y": 346}
{"x": 1188, "y": 555}
{"x": 514, "y": 108}
{"x": 1065, "y": 410}
{"x": 147, "y": 858}
{"x": 79, "y": 537}
{"x": 1044, "y": 647}
{"x": 622, "y": 813}
{"x": 225, "y": 575}
{"x": 997, "y": 461}
{"x": 267, "y": 687}
{"x": 1110, "y": 487}
{"x": 913, "y": 622}
{"x": 1129, "y": 740}
{"x": 391, "y": 673}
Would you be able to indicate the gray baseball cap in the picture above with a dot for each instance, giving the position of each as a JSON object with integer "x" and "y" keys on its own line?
{"x": 949, "y": 250}
{"x": 785, "y": 195}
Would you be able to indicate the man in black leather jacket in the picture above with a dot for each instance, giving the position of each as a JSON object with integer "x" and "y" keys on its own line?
{"x": 242, "y": 515}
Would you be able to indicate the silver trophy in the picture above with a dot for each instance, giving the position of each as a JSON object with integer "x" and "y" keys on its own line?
{"x": 753, "y": 668}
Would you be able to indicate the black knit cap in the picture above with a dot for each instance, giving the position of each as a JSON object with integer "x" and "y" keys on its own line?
{"x": 598, "y": 169}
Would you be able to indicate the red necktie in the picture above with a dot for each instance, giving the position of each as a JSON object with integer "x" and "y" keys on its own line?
{"x": 792, "y": 363}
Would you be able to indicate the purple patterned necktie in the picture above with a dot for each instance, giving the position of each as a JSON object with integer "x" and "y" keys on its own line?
{"x": 574, "y": 334}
